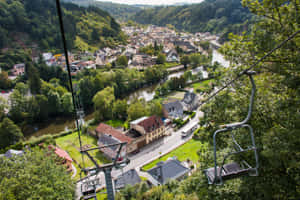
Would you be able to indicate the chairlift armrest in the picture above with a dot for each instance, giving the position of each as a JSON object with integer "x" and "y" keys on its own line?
{"x": 232, "y": 125}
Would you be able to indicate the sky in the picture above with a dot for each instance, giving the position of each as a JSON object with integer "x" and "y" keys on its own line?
{"x": 153, "y": 2}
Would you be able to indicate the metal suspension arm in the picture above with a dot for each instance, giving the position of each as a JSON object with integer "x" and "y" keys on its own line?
{"x": 253, "y": 91}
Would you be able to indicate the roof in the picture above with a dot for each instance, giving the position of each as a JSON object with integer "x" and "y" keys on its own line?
{"x": 10, "y": 153}
{"x": 170, "y": 169}
{"x": 107, "y": 140}
{"x": 130, "y": 177}
{"x": 151, "y": 123}
{"x": 138, "y": 120}
{"x": 61, "y": 153}
{"x": 108, "y": 130}
{"x": 175, "y": 104}
{"x": 189, "y": 97}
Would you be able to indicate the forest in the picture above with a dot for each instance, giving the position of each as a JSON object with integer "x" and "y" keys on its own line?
{"x": 121, "y": 12}
{"x": 215, "y": 16}
{"x": 34, "y": 24}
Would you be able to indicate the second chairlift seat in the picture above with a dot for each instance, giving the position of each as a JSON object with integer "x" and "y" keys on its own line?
{"x": 217, "y": 174}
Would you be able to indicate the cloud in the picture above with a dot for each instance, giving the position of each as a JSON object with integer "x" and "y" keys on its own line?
{"x": 153, "y": 2}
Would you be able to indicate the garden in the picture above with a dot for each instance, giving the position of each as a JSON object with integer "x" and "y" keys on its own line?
{"x": 187, "y": 151}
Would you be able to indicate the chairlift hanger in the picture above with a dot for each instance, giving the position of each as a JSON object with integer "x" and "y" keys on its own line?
{"x": 216, "y": 174}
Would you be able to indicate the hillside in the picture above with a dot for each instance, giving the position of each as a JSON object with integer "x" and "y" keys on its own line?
{"x": 216, "y": 16}
{"x": 35, "y": 23}
{"x": 121, "y": 12}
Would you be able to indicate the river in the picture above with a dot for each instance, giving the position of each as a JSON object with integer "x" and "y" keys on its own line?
{"x": 148, "y": 93}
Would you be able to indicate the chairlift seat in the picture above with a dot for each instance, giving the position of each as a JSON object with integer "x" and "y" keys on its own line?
{"x": 91, "y": 196}
{"x": 229, "y": 171}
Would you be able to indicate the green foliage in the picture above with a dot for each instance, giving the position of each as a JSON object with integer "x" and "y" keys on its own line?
{"x": 136, "y": 110}
{"x": 9, "y": 133}
{"x": 275, "y": 119}
{"x": 86, "y": 28}
{"x": 5, "y": 82}
{"x": 120, "y": 11}
{"x": 3, "y": 106}
{"x": 120, "y": 109}
{"x": 161, "y": 59}
{"x": 33, "y": 79}
{"x": 217, "y": 16}
{"x": 122, "y": 61}
{"x": 188, "y": 151}
{"x": 185, "y": 60}
{"x": 103, "y": 103}
{"x": 24, "y": 177}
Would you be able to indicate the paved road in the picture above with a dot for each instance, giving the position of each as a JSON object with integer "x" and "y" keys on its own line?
{"x": 152, "y": 152}
{"x": 176, "y": 68}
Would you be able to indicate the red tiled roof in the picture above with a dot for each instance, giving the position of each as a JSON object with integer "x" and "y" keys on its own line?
{"x": 151, "y": 123}
{"x": 108, "y": 130}
{"x": 61, "y": 153}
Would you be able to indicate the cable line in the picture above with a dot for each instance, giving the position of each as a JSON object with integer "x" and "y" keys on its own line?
{"x": 251, "y": 67}
{"x": 69, "y": 71}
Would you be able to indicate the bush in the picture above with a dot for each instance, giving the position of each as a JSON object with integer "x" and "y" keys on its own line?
{"x": 18, "y": 146}
{"x": 48, "y": 139}
{"x": 192, "y": 115}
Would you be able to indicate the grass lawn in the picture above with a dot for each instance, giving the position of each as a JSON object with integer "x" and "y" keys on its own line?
{"x": 70, "y": 143}
{"x": 172, "y": 64}
{"x": 187, "y": 151}
{"x": 115, "y": 123}
{"x": 176, "y": 95}
{"x": 202, "y": 85}
{"x": 102, "y": 195}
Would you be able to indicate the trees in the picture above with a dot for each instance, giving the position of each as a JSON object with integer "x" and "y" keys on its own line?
{"x": 195, "y": 60}
{"x": 120, "y": 109}
{"x": 122, "y": 61}
{"x": 5, "y": 83}
{"x": 137, "y": 109}
{"x": 3, "y": 106}
{"x": 161, "y": 59}
{"x": 103, "y": 103}
{"x": 185, "y": 60}
{"x": 9, "y": 133}
{"x": 34, "y": 79}
{"x": 67, "y": 104}
{"x": 24, "y": 177}
{"x": 155, "y": 108}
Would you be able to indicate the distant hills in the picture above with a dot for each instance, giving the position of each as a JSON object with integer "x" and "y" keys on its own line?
{"x": 216, "y": 16}
{"x": 121, "y": 12}
{"x": 35, "y": 23}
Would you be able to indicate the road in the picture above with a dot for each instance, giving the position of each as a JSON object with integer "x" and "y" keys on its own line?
{"x": 151, "y": 152}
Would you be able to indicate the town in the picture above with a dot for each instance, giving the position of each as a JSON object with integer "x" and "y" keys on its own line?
{"x": 148, "y": 138}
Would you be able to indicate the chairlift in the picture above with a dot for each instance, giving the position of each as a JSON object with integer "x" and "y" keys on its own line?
{"x": 89, "y": 186}
{"x": 218, "y": 174}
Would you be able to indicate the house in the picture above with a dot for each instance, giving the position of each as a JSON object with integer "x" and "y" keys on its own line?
{"x": 109, "y": 135}
{"x": 172, "y": 56}
{"x": 130, "y": 177}
{"x": 171, "y": 169}
{"x": 141, "y": 61}
{"x": 18, "y": 69}
{"x": 190, "y": 101}
{"x": 67, "y": 160}
{"x": 152, "y": 128}
{"x": 173, "y": 110}
{"x": 11, "y": 153}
